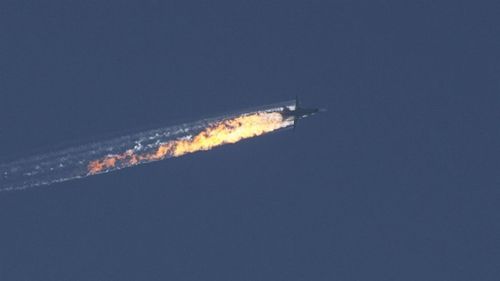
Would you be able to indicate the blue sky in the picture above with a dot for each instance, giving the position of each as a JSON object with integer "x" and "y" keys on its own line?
{"x": 397, "y": 181}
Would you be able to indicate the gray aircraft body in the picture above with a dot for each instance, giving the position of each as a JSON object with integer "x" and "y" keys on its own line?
{"x": 299, "y": 112}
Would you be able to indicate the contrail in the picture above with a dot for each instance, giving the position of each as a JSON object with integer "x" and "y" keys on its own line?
{"x": 144, "y": 147}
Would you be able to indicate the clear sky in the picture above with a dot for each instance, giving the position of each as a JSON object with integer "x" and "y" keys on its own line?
{"x": 397, "y": 181}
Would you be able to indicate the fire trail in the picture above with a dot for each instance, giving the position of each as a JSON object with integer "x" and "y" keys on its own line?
{"x": 144, "y": 147}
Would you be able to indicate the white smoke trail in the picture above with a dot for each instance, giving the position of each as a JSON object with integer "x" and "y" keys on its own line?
{"x": 142, "y": 147}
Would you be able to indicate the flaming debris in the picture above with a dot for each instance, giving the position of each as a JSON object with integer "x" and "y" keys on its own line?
{"x": 216, "y": 134}
{"x": 143, "y": 147}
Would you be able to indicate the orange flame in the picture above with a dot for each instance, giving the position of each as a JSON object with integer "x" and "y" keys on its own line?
{"x": 223, "y": 132}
